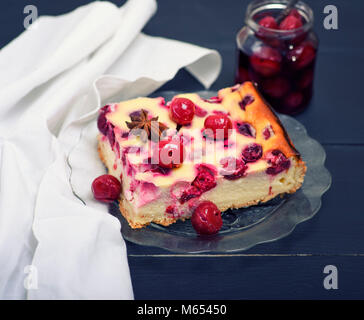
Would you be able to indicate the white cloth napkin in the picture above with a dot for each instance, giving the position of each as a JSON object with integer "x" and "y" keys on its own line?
{"x": 53, "y": 78}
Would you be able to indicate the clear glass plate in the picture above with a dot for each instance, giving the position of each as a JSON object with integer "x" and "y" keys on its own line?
{"x": 246, "y": 227}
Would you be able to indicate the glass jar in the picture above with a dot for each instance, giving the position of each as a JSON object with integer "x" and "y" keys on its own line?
{"x": 280, "y": 62}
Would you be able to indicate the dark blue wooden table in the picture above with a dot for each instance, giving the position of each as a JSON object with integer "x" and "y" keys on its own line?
{"x": 292, "y": 267}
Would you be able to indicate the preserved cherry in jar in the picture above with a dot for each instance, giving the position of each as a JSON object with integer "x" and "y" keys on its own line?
{"x": 278, "y": 53}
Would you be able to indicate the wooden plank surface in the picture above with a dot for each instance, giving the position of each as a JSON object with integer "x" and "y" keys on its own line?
{"x": 291, "y": 267}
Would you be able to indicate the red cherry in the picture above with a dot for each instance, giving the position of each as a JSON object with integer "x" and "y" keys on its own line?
{"x": 295, "y": 13}
{"x": 268, "y": 22}
{"x": 232, "y": 168}
{"x": 190, "y": 193}
{"x": 301, "y": 56}
{"x": 248, "y": 99}
{"x": 205, "y": 179}
{"x": 215, "y": 99}
{"x": 290, "y": 22}
{"x": 171, "y": 153}
{"x": 293, "y": 100}
{"x": 171, "y": 210}
{"x": 278, "y": 162}
{"x": 200, "y": 112}
{"x": 246, "y": 129}
{"x": 218, "y": 126}
{"x": 276, "y": 87}
{"x": 102, "y": 123}
{"x": 267, "y": 132}
{"x": 178, "y": 188}
{"x": 182, "y": 111}
{"x": 252, "y": 152}
{"x": 306, "y": 79}
{"x": 104, "y": 126}
{"x": 206, "y": 219}
{"x": 106, "y": 188}
{"x": 266, "y": 61}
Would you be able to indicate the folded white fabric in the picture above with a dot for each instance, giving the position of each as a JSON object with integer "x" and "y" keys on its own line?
{"x": 54, "y": 78}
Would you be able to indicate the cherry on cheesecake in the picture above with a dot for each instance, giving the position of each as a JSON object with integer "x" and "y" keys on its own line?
{"x": 205, "y": 178}
{"x": 182, "y": 111}
{"x": 252, "y": 152}
{"x": 232, "y": 168}
{"x": 218, "y": 126}
{"x": 171, "y": 153}
{"x": 200, "y": 112}
{"x": 204, "y": 181}
{"x": 248, "y": 99}
{"x": 206, "y": 218}
{"x": 246, "y": 129}
{"x": 102, "y": 124}
{"x": 278, "y": 162}
{"x": 106, "y": 188}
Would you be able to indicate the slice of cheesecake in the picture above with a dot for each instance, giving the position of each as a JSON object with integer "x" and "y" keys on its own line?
{"x": 230, "y": 149}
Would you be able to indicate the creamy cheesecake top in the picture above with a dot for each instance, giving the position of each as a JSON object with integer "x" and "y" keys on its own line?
{"x": 254, "y": 139}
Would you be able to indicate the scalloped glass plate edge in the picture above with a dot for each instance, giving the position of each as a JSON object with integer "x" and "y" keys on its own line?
{"x": 299, "y": 207}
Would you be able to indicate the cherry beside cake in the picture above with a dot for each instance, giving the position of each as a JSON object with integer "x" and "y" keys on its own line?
{"x": 195, "y": 156}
